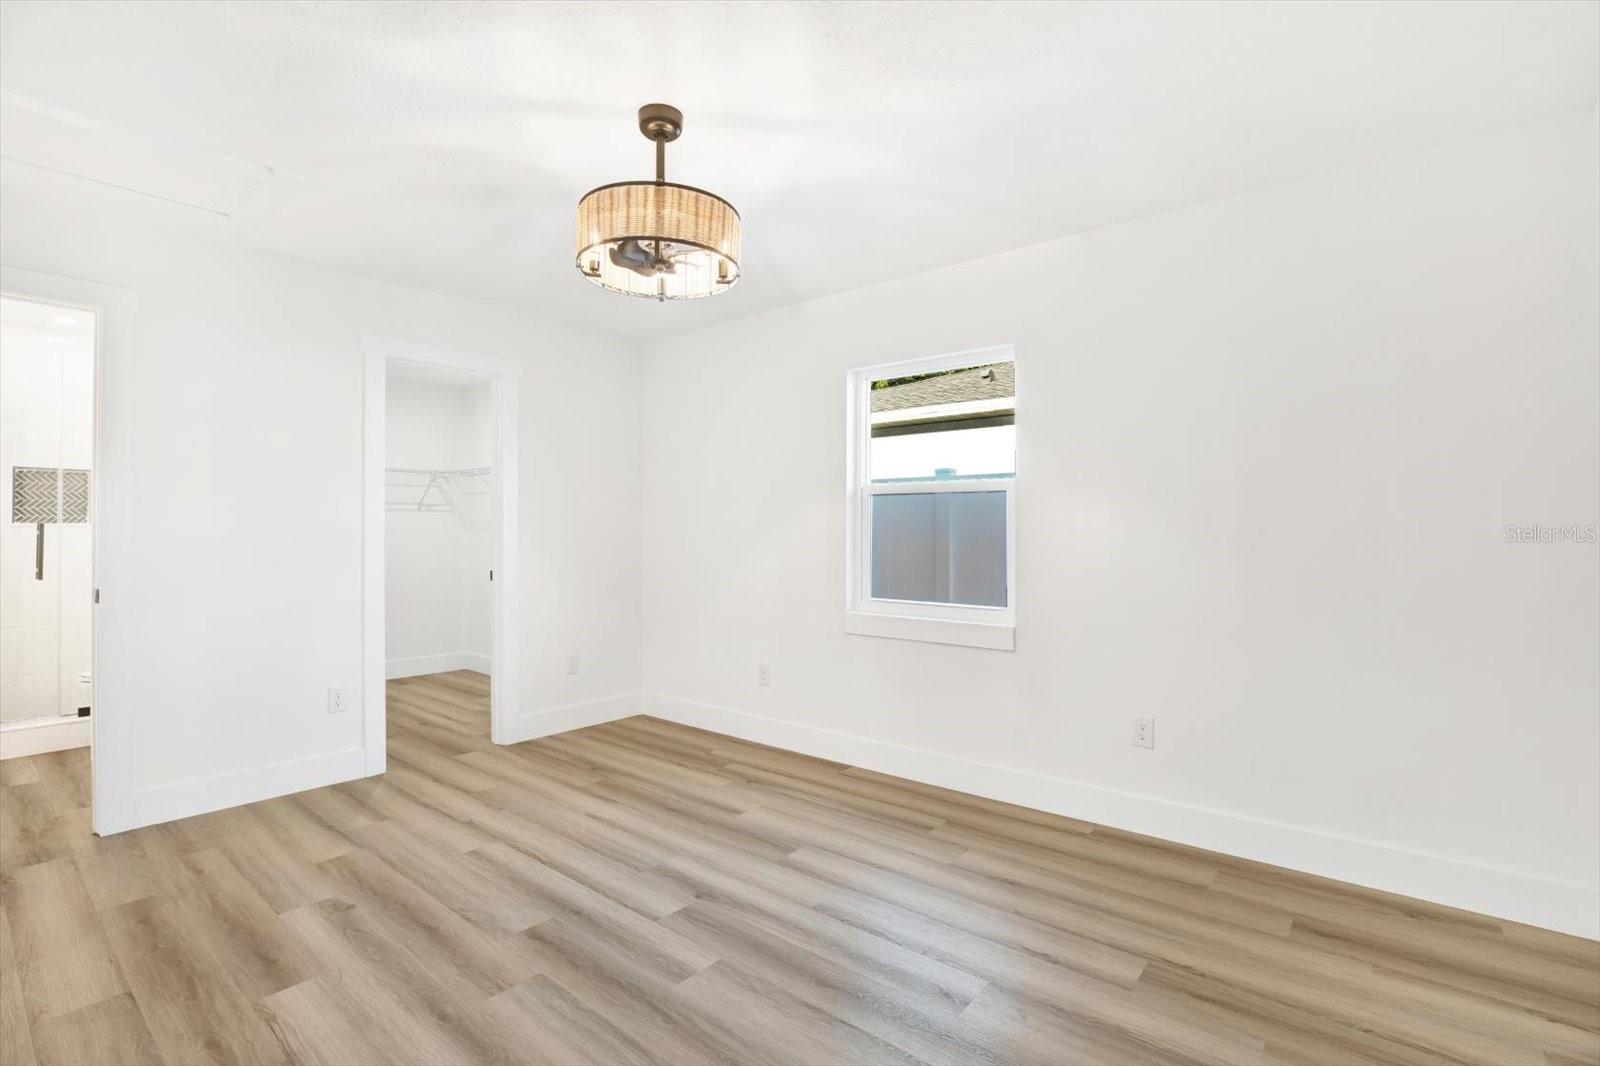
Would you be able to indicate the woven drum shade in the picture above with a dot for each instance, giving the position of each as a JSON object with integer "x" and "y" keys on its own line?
{"x": 692, "y": 230}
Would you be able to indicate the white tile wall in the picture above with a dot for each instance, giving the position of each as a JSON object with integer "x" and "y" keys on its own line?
{"x": 46, "y": 419}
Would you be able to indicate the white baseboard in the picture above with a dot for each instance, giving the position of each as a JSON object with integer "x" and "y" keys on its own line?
{"x": 35, "y": 737}
{"x": 165, "y": 803}
{"x": 417, "y": 665}
{"x": 531, "y": 725}
{"x": 1562, "y": 906}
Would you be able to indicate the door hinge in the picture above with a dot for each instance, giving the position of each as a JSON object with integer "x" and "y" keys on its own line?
{"x": 97, "y": 595}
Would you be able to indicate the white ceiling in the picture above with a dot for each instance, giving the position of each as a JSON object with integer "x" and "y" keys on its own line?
{"x": 444, "y": 145}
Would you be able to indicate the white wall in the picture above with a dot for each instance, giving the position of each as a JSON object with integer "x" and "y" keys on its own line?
{"x": 478, "y": 607}
{"x": 247, "y": 523}
{"x": 438, "y": 601}
{"x": 1267, "y": 450}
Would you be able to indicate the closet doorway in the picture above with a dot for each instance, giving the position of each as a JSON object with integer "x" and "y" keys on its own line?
{"x": 439, "y": 573}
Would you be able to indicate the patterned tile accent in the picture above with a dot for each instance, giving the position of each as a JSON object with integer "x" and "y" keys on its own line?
{"x": 74, "y": 495}
{"x": 33, "y": 494}
{"x": 49, "y": 494}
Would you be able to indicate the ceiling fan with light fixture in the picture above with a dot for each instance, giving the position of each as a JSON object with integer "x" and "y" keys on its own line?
{"x": 658, "y": 239}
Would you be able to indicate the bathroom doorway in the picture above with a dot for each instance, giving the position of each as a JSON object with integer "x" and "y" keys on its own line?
{"x": 55, "y": 395}
{"x": 47, "y": 452}
{"x": 439, "y": 560}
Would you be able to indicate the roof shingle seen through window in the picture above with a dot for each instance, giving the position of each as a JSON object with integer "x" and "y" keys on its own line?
{"x": 993, "y": 382}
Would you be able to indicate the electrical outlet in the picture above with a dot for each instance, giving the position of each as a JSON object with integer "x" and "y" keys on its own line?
{"x": 338, "y": 700}
{"x": 1144, "y": 732}
{"x": 572, "y": 665}
{"x": 764, "y": 675}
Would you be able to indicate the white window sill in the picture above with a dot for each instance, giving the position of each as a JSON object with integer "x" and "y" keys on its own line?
{"x": 932, "y": 630}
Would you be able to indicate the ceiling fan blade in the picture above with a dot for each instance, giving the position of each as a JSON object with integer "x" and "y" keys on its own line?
{"x": 631, "y": 255}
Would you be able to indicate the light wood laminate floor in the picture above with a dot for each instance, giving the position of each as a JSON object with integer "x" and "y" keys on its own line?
{"x": 644, "y": 892}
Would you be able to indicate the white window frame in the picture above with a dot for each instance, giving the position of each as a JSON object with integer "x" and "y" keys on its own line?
{"x": 939, "y": 623}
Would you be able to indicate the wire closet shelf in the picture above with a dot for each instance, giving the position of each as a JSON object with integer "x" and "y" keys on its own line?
{"x": 463, "y": 493}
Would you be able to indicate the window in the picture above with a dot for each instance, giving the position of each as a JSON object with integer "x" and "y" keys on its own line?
{"x": 930, "y": 531}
